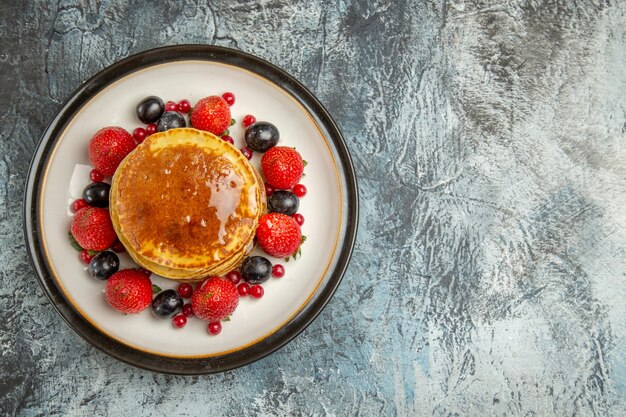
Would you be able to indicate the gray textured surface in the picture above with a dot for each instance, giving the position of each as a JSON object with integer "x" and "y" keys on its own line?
{"x": 489, "y": 140}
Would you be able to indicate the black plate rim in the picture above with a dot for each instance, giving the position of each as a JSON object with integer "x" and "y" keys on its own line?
{"x": 173, "y": 365}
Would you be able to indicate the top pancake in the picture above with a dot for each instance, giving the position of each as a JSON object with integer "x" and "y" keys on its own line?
{"x": 185, "y": 199}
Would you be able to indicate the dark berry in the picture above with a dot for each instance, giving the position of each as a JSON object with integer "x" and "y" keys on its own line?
{"x": 97, "y": 194}
{"x": 78, "y": 204}
{"x": 261, "y": 136}
{"x": 185, "y": 290}
{"x": 184, "y": 106}
{"x": 187, "y": 310}
{"x": 299, "y": 218}
{"x": 171, "y": 120}
{"x": 215, "y": 327}
{"x": 150, "y": 109}
{"x": 269, "y": 190}
{"x": 278, "y": 271}
{"x": 171, "y": 106}
{"x": 299, "y": 190}
{"x": 284, "y": 202}
{"x": 166, "y": 304}
{"x": 256, "y": 269}
{"x": 179, "y": 321}
{"x": 234, "y": 276}
{"x": 85, "y": 256}
{"x": 103, "y": 265}
{"x": 256, "y": 291}
{"x": 96, "y": 176}
{"x": 248, "y": 120}
{"x": 118, "y": 247}
{"x": 229, "y": 98}
{"x": 243, "y": 289}
{"x": 151, "y": 129}
{"x": 228, "y": 139}
{"x": 246, "y": 152}
{"x": 140, "y": 134}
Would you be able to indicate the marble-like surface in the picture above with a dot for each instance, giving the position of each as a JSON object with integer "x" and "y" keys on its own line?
{"x": 489, "y": 276}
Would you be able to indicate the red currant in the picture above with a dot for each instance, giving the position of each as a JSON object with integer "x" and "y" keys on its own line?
{"x": 140, "y": 134}
{"x": 185, "y": 290}
{"x": 299, "y": 218}
{"x": 234, "y": 276}
{"x": 248, "y": 120}
{"x": 228, "y": 139}
{"x": 171, "y": 106}
{"x": 187, "y": 310}
{"x": 268, "y": 190}
{"x": 184, "y": 106}
{"x": 299, "y": 190}
{"x": 179, "y": 321}
{"x": 144, "y": 271}
{"x": 151, "y": 129}
{"x": 246, "y": 152}
{"x": 229, "y": 97}
{"x": 278, "y": 271}
{"x": 79, "y": 204}
{"x": 96, "y": 176}
{"x": 215, "y": 327}
{"x": 256, "y": 291}
{"x": 85, "y": 256}
{"x": 243, "y": 289}
{"x": 118, "y": 247}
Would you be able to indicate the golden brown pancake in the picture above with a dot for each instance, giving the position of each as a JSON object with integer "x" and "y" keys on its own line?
{"x": 186, "y": 204}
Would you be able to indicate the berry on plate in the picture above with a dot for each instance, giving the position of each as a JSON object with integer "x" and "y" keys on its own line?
{"x": 92, "y": 228}
{"x": 103, "y": 265}
{"x": 211, "y": 114}
{"x": 282, "y": 167}
{"x": 261, "y": 136}
{"x": 256, "y": 269}
{"x": 128, "y": 291}
{"x": 171, "y": 120}
{"x": 284, "y": 202}
{"x": 229, "y": 97}
{"x": 279, "y": 235}
{"x": 96, "y": 194}
{"x": 166, "y": 304}
{"x": 150, "y": 109}
{"x": 108, "y": 147}
{"x": 215, "y": 299}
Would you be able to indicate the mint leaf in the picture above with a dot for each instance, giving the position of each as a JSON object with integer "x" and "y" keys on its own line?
{"x": 156, "y": 289}
{"x": 73, "y": 242}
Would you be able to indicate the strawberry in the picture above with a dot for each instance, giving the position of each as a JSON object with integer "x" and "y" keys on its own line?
{"x": 215, "y": 299}
{"x": 279, "y": 235}
{"x": 92, "y": 228}
{"x": 129, "y": 291}
{"x": 282, "y": 167}
{"x": 108, "y": 147}
{"x": 211, "y": 114}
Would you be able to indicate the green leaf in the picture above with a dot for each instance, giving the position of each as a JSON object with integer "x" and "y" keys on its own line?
{"x": 304, "y": 162}
{"x": 93, "y": 252}
{"x": 156, "y": 289}
{"x": 73, "y": 242}
{"x": 303, "y": 239}
{"x": 232, "y": 122}
{"x": 227, "y": 319}
{"x": 226, "y": 133}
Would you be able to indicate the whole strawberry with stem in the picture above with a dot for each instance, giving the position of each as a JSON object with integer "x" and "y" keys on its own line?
{"x": 282, "y": 167}
{"x": 92, "y": 228}
{"x": 108, "y": 147}
{"x": 215, "y": 299}
{"x": 129, "y": 291}
{"x": 279, "y": 235}
{"x": 211, "y": 114}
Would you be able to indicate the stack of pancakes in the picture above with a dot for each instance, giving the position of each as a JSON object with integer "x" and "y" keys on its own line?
{"x": 186, "y": 204}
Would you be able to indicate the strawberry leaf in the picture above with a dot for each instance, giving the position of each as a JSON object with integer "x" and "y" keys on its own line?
{"x": 303, "y": 239}
{"x": 232, "y": 122}
{"x": 226, "y": 319}
{"x": 73, "y": 242}
{"x": 93, "y": 252}
{"x": 156, "y": 289}
{"x": 226, "y": 133}
{"x": 304, "y": 162}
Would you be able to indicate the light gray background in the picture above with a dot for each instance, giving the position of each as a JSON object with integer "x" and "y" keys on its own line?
{"x": 489, "y": 276}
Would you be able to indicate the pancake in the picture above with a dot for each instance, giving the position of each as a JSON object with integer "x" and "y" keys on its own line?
{"x": 186, "y": 204}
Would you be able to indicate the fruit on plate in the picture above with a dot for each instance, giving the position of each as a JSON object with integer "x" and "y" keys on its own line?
{"x": 284, "y": 202}
{"x": 282, "y": 167}
{"x": 279, "y": 235}
{"x": 129, "y": 291}
{"x": 261, "y": 136}
{"x": 167, "y": 304}
{"x": 108, "y": 147}
{"x": 150, "y": 109}
{"x": 256, "y": 269}
{"x": 96, "y": 194}
{"x": 103, "y": 265}
{"x": 211, "y": 114}
{"x": 171, "y": 120}
{"x": 92, "y": 228}
{"x": 215, "y": 299}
